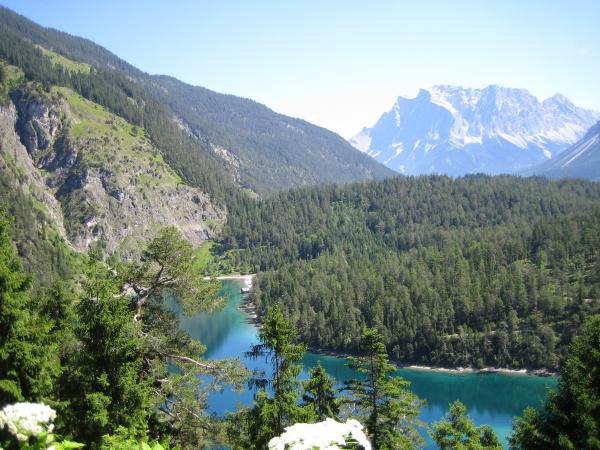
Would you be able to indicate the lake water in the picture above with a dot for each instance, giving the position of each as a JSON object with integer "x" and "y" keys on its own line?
{"x": 493, "y": 399}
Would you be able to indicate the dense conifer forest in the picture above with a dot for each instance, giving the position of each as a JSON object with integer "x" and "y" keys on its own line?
{"x": 478, "y": 271}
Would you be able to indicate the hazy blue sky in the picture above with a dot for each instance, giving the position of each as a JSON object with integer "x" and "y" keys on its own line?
{"x": 340, "y": 64}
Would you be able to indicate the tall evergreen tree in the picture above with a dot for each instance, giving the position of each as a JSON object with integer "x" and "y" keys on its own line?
{"x": 270, "y": 414}
{"x": 456, "y": 431}
{"x": 167, "y": 269}
{"x": 102, "y": 382}
{"x": 570, "y": 419}
{"x": 319, "y": 393}
{"x": 388, "y": 409}
{"x": 28, "y": 362}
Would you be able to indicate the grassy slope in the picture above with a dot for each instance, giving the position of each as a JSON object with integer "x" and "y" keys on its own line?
{"x": 121, "y": 142}
{"x": 68, "y": 64}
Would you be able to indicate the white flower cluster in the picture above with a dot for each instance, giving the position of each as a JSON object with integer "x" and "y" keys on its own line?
{"x": 27, "y": 419}
{"x": 326, "y": 435}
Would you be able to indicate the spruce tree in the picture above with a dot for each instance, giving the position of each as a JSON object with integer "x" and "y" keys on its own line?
{"x": 101, "y": 384}
{"x": 384, "y": 403}
{"x": 457, "y": 431}
{"x": 270, "y": 414}
{"x": 28, "y": 362}
{"x": 319, "y": 393}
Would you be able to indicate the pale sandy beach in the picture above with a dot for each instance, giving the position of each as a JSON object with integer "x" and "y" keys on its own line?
{"x": 482, "y": 370}
{"x": 247, "y": 279}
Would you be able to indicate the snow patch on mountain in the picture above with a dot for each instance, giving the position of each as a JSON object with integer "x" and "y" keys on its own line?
{"x": 580, "y": 150}
{"x": 456, "y": 130}
{"x": 362, "y": 141}
{"x": 582, "y": 160}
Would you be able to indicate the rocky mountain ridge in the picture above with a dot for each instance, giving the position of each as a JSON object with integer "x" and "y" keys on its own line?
{"x": 455, "y": 130}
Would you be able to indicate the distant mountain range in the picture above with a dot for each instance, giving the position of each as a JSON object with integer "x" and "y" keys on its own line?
{"x": 456, "y": 131}
{"x": 582, "y": 160}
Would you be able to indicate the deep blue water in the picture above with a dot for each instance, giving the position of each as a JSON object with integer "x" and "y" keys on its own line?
{"x": 493, "y": 399}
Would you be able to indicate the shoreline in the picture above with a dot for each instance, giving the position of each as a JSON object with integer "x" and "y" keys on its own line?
{"x": 249, "y": 308}
{"x": 483, "y": 370}
{"x": 246, "y": 305}
{"x": 247, "y": 279}
{"x": 451, "y": 370}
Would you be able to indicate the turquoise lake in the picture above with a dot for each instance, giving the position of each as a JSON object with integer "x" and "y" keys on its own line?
{"x": 493, "y": 399}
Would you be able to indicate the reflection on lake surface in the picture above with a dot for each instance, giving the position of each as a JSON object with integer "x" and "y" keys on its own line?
{"x": 493, "y": 399}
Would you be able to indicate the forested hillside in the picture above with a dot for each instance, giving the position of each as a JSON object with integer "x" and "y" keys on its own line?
{"x": 258, "y": 148}
{"x": 270, "y": 151}
{"x": 482, "y": 271}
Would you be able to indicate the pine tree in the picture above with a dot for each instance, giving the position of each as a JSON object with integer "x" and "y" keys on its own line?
{"x": 320, "y": 394}
{"x": 167, "y": 268}
{"x": 456, "y": 431}
{"x": 389, "y": 410}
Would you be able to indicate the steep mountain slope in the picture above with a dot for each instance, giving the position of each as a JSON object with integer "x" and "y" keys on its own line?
{"x": 263, "y": 150}
{"x": 582, "y": 160}
{"x": 93, "y": 176}
{"x": 452, "y": 130}
{"x": 269, "y": 151}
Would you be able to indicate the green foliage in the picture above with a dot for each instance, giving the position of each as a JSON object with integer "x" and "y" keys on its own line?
{"x": 42, "y": 442}
{"x": 3, "y": 90}
{"x": 167, "y": 268}
{"x": 122, "y": 440}
{"x": 477, "y": 271}
{"x": 570, "y": 419}
{"x": 271, "y": 414}
{"x": 68, "y": 64}
{"x": 28, "y": 363}
{"x": 102, "y": 383}
{"x": 389, "y": 410}
{"x": 456, "y": 431}
{"x": 320, "y": 394}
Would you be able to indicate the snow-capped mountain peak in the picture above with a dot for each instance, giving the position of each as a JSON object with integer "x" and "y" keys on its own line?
{"x": 456, "y": 130}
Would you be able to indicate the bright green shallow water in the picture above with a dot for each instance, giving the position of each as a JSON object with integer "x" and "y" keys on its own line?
{"x": 493, "y": 399}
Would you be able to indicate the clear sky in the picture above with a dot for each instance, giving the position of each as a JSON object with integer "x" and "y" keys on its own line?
{"x": 340, "y": 64}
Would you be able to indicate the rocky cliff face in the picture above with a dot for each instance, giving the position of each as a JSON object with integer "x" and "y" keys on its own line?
{"x": 18, "y": 169}
{"x": 98, "y": 178}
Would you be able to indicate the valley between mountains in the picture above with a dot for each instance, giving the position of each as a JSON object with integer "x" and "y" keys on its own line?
{"x": 461, "y": 230}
